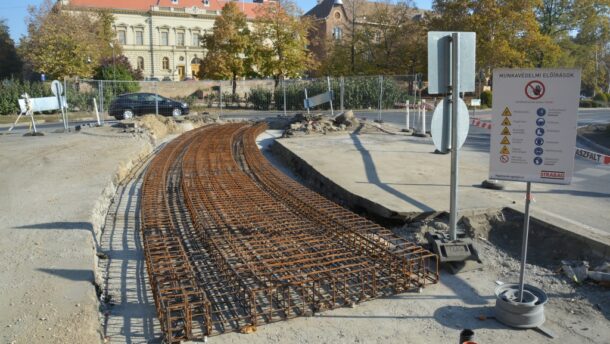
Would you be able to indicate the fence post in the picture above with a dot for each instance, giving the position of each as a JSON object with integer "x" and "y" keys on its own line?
{"x": 423, "y": 116}
{"x": 332, "y": 112}
{"x": 380, "y": 97}
{"x": 97, "y": 113}
{"x": 284, "y": 91}
{"x": 407, "y": 119}
{"x": 220, "y": 96}
{"x": 101, "y": 91}
{"x": 306, "y": 100}
{"x": 342, "y": 91}
{"x": 156, "y": 98}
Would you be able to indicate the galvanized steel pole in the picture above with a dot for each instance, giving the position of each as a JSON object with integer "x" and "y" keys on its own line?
{"x": 526, "y": 229}
{"x": 455, "y": 94}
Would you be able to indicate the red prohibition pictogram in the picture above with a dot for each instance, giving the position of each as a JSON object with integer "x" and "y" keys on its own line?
{"x": 504, "y": 158}
{"x": 534, "y": 89}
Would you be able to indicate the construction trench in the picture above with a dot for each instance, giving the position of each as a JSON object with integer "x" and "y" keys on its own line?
{"x": 231, "y": 243}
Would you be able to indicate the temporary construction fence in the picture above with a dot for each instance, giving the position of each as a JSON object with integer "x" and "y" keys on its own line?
{"x": 373, "y": 93}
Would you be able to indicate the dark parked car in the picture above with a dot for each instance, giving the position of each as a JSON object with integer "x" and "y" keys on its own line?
{"x": 136, "y": 104}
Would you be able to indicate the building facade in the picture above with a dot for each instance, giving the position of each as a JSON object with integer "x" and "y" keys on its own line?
{"x": 335, "y": 20}
{"x": 162, "y": 37}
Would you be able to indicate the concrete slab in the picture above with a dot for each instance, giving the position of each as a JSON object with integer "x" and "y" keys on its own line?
{"x": 402, "y": 174}
{"x": 55, "y": 192}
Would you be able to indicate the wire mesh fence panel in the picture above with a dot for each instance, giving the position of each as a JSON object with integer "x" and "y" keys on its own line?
{"x": 124, "y": 99}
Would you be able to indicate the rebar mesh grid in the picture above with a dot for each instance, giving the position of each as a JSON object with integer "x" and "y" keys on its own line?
{"x": 231, "y": 242}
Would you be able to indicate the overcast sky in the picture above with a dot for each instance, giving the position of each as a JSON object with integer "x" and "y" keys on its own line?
{"x": 15, "y": 12}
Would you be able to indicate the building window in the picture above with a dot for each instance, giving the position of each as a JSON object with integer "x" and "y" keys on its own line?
{"x": 337, "y": 33}
{"x": 140, "y": 63}
{"x": 165, "y": 63}
{"x": 180, "y": 39}
{"x": 139, "y": 38}
{"x": 122, "y": 36}
{"x": 165, "y": 38}
{"x": 206, "y": 2}
{"x": 196, "y": 39}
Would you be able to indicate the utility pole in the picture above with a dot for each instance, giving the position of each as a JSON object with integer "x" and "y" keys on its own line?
{"x": 353, "y": 33}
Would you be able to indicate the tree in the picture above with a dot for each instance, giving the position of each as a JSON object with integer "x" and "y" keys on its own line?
{"x": 10, "y": 63}
{"x": 227, "y": 46}
{"x": 508, "y": 33}
{"x": 385, "y": 38}
{"x": 63, "y": 44}
{"x": 117, "y": 68}
{"x": 281, "y": 41}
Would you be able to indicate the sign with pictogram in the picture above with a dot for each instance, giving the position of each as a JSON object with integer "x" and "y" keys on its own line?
{"x": 536, "y": 118}
{"x": 534, "y": 89}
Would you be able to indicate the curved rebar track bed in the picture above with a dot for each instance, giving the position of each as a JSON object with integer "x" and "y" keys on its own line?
{"x": 231, "y": 242}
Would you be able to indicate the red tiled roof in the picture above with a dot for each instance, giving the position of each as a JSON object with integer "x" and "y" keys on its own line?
{"x": 248, "y": 8}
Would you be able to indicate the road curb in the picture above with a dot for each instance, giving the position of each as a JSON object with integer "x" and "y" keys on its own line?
{"x": 599, "y": 148}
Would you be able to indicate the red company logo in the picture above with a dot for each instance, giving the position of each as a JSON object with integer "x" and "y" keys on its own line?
{"x": 552, "y": 175}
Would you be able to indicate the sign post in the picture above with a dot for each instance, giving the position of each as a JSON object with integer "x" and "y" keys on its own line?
{"x": 533, "y": 132}
{"x": 451, "y": 71}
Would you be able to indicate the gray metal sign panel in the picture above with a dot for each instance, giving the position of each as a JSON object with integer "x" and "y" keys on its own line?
{"x": 439, "y": 61}
{"x": 440, "y": 128}
{"x": 318, "y": 99}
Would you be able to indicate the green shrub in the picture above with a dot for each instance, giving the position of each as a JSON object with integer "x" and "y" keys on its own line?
{"x": 11, "y": 91}
{"x": 260, "y": 98}
{"x": 601, "y": 97}
{"x": 486, "y": 98}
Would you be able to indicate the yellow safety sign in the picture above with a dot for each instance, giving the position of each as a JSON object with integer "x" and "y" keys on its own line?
{"x": 506, "y": 122}
{"x": 505, "y": 141}
{"x": 506, "y": 112}
{"x": 504, "y": 150}
{"x": 505, "y": 131}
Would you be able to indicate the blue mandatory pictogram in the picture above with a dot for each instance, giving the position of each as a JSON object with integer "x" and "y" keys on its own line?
{"x": 539, "y": 141}
{"x": 541, "y": 112}
{"x": 538, "y": 150}
{"x": 537, "y": 160}
{"x": 540, "y": 121}
{"x": 539, "y": 131}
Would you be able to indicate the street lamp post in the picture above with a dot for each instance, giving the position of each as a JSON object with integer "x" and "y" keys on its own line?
{"x": 113, "y": 62}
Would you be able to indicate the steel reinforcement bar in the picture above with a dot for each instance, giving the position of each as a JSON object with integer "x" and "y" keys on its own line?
{"x": 232, "y": 243}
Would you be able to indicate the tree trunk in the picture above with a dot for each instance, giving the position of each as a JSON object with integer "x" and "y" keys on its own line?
{"x": 234, "y": 84}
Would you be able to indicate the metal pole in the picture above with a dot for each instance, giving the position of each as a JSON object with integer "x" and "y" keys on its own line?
{"x": 526, "y": 229}
{"x": 97, "y": 113}
{"x": 332, "y": 112}
{"x": 101, "y": 88}
{"x": 307, "y": 101}
{"x": 156, "y": 98}
{"x": 65, "y": 102}
{"x": 423, "y": 116}
{"x": 342, "y": 85}
{"x": 284, "y": 91}
{"x": 220, "y": 91}
{"x": 407, "y": 119}
{"x": 455, "y": 93}
{"x": 380, "y": 97}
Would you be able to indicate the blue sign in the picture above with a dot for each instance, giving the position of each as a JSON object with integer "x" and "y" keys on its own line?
{"x": 539, "y": 131}
{"x": 538, "y": 151}
{"x": 539, "y": 141}
{"x": 541, "y": 112}
{"x": 537, "y": 160}
{"x": 540, "y": 121}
